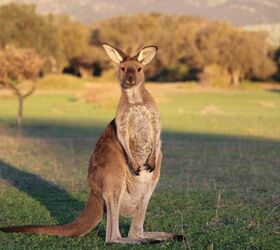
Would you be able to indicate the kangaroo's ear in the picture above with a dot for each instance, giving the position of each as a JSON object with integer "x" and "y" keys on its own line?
{"x": 147, "y": 54}
{"x": 115, "y": 54}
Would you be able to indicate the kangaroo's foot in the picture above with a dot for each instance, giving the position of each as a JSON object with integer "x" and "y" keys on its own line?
{"x": 161, "y": 236}
{"x": 133, "y": 240}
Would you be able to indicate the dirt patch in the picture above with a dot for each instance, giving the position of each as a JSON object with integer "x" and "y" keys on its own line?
{"x": 106, "y": 95}
{"x": 267, "y": 104}
{"x": 4, "y": 182}
{"x": 211, "y": 110}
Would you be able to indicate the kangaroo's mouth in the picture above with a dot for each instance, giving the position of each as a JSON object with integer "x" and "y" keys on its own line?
{"x": 127, "y": 84}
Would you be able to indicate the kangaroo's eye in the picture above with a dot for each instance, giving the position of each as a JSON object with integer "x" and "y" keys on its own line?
{"x": 123, "y": 68}
{"x": 139, "y": 69}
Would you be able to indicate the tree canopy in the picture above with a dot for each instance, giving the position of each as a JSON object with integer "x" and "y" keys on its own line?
{"x": 17, "y": 65}
{"x": 188, "y": 46}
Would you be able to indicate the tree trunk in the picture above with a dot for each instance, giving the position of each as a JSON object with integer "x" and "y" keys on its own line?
{"x": 235, "y": 80}
{"x": 53, "y": 64}
{"x": 20, "y": 97}
{"x": 20, "y": 112}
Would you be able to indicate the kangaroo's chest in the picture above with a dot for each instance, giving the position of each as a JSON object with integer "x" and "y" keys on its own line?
{"x": 139, "y": 122}
{"x": 140, "y": 132}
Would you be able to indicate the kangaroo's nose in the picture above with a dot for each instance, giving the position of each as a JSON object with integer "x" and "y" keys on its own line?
{"x": 130, "y": 78}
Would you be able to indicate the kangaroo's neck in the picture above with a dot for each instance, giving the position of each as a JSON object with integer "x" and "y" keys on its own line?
{"x": 134, "y": 95}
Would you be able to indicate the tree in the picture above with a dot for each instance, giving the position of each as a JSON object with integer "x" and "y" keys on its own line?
{"x": 189, "y": 45}
{"x": 74, "y": 37}
{"x": 17, "y": 65}
{"x": 275, "y": 55}
{"x": 243, "y": 55}
{"x": 174, "y": 35}
{"x": 21, "y": 26}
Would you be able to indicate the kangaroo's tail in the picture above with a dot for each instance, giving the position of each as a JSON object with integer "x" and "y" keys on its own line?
{"x": 87, "y": 220}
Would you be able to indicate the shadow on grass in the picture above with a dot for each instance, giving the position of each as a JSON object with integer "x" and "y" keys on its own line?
{"x": 274, "y": 90}
{"x": 245, "y": 165}
{"x": 61, "y": 129}
{"x": 54, "y": 129}
{"x": 55, "y": 199}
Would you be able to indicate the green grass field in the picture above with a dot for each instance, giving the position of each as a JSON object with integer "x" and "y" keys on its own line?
{"x": 215, "y": 142}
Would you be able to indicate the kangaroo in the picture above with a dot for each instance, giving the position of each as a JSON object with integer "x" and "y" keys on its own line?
{"x": 125, "y": 165}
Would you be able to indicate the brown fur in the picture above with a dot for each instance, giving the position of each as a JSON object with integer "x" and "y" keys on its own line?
{"x": 125, "y": 165}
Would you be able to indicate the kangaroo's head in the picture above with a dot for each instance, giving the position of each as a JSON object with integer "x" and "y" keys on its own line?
{"x": 130, "y": 70}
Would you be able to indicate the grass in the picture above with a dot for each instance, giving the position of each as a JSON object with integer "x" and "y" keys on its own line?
{"x": 220, "y": 178}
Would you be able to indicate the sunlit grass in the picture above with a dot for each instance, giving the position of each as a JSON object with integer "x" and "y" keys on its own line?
{"x": 214, "y": 141}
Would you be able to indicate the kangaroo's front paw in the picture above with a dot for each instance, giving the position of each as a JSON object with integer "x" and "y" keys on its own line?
{"x": 151, "y": 163}
{"x": 135, "y": 167}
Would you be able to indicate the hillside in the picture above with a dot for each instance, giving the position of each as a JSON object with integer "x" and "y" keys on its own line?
{"x": 273, "y": 31}
{"x": 238, "y": 12}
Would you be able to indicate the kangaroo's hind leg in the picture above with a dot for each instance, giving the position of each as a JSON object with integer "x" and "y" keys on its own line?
{"x": 112, "y": 228}
{"x": 137, "y": 224}
{"x": 114, "y": 188}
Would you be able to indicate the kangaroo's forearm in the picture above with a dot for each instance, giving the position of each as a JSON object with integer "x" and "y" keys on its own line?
{"x": 123, "y": 137}
{"x": 124, "y": 140}
{"x": 156, "y": 139}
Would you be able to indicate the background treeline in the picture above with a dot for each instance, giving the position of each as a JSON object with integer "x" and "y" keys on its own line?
{"x": 190, "y": 48}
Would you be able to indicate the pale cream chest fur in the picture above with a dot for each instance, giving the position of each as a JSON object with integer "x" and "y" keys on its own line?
{"x": 138, "y": 120}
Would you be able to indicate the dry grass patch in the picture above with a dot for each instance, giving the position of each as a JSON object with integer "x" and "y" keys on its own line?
{"x": 211, "y": 110}
{"x": 108, "y": 94}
